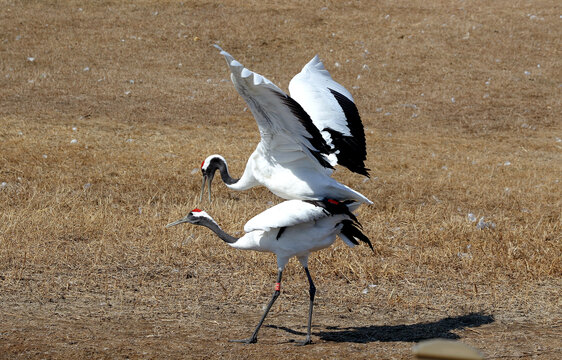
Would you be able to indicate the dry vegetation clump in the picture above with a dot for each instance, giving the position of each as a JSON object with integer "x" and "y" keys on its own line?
{"x": 108, "y": 108}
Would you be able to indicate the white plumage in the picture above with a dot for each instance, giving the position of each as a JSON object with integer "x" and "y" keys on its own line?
{"x": 293, "y": 159}
{"x": 292, "y": 228}
{"x": 312, "y": 89}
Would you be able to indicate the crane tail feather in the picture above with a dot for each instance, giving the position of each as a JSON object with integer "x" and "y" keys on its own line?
{"x": 351, "y": 232}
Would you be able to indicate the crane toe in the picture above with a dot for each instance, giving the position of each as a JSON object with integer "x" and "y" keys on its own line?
{"x": 305, "y": 342}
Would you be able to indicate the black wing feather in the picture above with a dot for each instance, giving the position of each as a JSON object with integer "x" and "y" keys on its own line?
{"x": 315, "y": 138}
{"x": 352, "y": 231}
{"x": 351, "y": 228}
{"x": 333, "y": 207}
{"x": 352, "y": 149}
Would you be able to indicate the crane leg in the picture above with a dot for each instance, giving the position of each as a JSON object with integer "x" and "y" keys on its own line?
{"x": 254, "y": 337}
{"x": 311, "y": 292}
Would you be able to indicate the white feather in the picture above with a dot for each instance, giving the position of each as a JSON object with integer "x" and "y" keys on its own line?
{"x": 285, "y": 214}
{"x": 310, "y": 88}
{"x": 284, "y": 161}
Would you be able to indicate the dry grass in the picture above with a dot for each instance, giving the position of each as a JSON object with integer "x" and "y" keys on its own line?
{"x": 88, "y": 269}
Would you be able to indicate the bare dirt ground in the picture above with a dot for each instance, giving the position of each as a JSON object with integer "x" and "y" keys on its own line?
{"x": 107, "y": 109}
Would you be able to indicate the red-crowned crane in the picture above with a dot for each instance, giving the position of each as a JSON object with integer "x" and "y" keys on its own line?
{"x": 302, "y": 137}
{"x": 291, "y": 228}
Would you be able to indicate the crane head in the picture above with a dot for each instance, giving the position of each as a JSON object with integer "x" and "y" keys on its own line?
{"x": 208, "y": 168}
{"x": 195, "y": 216}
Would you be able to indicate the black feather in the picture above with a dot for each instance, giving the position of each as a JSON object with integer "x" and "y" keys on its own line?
{"x": 351, "y": 228}
{"x": 320, "y": 147}
{"x": 280, "y": 232}
{"x": 333, "y": 207}
{"x": 352, "y": 149}
{"x": 353, "y": 232}
{"x": 218, "y": 164}
{"x": 349, "y": 152}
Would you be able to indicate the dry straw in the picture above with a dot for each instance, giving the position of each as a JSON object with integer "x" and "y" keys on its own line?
{"x": 461, "y": 106}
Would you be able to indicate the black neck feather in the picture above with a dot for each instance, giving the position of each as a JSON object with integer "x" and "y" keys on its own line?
{"x": 229, "y": 239}
{"x": 218, "y": 164}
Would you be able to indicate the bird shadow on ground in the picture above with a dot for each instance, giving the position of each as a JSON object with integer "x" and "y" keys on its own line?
{"x": 404, "y": 333}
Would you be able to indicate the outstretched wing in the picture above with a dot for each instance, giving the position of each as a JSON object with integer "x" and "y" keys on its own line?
{"x": 285, "y": 128}
{"x": 334, "y": 113}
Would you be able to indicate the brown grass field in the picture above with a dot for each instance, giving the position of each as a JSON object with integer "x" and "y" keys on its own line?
{"x": 461, "y": 103}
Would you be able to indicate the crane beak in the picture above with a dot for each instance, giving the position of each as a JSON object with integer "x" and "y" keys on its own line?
{"x": 177, "y": 222}
{"x": 206, "y": 180}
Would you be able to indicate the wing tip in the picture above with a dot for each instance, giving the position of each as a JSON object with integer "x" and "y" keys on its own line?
{"x": 222, "y": 52}
{"x": 243, "y": 71}
{"x": 230, "y": 60}
{"x": 316, "y": 63}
